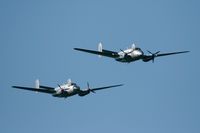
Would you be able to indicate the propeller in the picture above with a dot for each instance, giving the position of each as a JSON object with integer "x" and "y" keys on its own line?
{"x": 60, "y": 88}
{"x": 153, "y": 54}
{"x": 123, "y": 51}
{"x": 126, "y": 54}
{"x": 90, "y": 90}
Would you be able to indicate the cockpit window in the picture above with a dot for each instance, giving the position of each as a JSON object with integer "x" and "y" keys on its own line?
{"x": 73, "y": 83}
{"x": 138, "y": 49}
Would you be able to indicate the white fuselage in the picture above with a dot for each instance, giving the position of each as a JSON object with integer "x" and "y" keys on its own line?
{"x": 130, "y": 55}
{"x": 66, "y": 90}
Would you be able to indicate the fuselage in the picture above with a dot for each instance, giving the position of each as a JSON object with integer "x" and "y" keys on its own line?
{"x": 67, "y": 90}
{"x": 130, "y": 55}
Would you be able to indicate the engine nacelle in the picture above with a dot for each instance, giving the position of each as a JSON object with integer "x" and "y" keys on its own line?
{"x": 83, "y": 93}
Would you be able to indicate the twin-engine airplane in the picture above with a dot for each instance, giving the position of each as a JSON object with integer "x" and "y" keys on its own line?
{"x": 129, "y": 55}
{"x": 66, "y": 90}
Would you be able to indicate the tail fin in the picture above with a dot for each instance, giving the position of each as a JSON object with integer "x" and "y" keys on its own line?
{"x": 100, "y": 48}
{"x": 69, "y": 81}
{"x": 133, "y": 46}
{"x": 37, "y": 83}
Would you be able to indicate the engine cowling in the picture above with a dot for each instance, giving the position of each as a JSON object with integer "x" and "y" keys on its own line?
{"x": 83, "y": 93}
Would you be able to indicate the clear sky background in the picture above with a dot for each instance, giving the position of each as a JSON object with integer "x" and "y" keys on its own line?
{"x": 37, "y": 39}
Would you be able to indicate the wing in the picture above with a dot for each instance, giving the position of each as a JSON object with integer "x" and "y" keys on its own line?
{"x": 106, "y": 53}
{"x": 165, "y": 54}
{"x": 46, "y": 87}
{"x": 35, "y": 89}
{"x": 101, "y": 88}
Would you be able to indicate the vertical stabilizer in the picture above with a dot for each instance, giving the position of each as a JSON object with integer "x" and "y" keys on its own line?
{"x": 133, "y": 46}
{"x": 37, "y": 83}
{"x": 100, "y": 48}
{"x": 69, "y": 81}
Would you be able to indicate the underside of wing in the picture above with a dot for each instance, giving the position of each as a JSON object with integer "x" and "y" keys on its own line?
{"x": 106, "y": 87}
{"x": 49, "y": 91}
{"x": 106, "y": 53}
{"x": 165, "y": 54}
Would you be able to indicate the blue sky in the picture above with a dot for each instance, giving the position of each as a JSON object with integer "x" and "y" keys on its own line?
{"x": 37, "y": 40}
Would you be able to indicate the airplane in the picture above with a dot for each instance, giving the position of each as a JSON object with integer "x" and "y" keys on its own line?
{"x": 129, "y": 55}
{"x": 63, "y": 91}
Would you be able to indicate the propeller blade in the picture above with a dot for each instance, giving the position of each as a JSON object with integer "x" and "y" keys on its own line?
{"x": 59, "y": 86}
{"x": 157, "y": 52}
{"x": 92, "y": 91}
{"x": 88, "y": 86}
{"x": 149, "y": 52}
{"x": 62, "y": 90}
{"x": 153, "y": 55}
{"x": 122, "y": 51}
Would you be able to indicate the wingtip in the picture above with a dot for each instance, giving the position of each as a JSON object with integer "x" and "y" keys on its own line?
{"x": 16, "y": 87}
{"x": 77, "y": 48}
{"x": 119, "y": 85}
{"x": 186, "y": 51}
